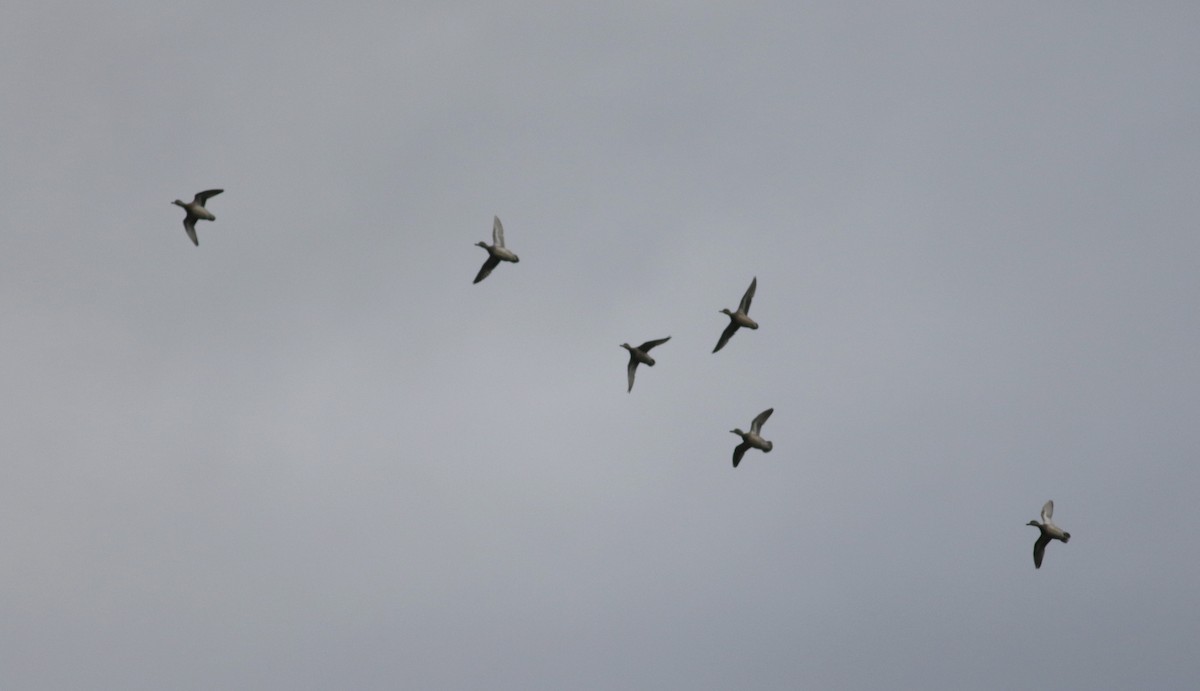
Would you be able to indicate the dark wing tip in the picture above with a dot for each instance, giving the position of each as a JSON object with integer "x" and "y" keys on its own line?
{"x": 1039, "y": 550}
{"x": 744, "y": 306}
{"x": 488, "y": 264}
{"x": 738, "y": 452}
{"x": 726, "y": 335}
{"x": 763, "y": 416}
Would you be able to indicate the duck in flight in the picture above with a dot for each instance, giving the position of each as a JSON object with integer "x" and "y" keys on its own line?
{"x": 752, "y": 439}
{"x": 1049, "y": 532}
{"x": 497, "y": 252}
{"x": 196, "y": 212}
{"x": 739, "y": 318}
{"x": 640, "y": 355}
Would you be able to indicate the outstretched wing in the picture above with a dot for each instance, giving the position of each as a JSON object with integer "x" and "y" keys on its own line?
{"x": 633, "y": 363}
{"x": 189, "y": 224}
{"x": 738, "y": 452}
{"x": 1039, "y": 550}
{"x": 202, "y": 197}
{"x": 1048, "y": 511}
{"x": 756, "y": 426}
{"x": 497, "y": 232}
{"x": 726, "y": 335}
{"x": 486, "y": 269}
{"x": 744, "y": 306}
{"x": 645, "y": 347}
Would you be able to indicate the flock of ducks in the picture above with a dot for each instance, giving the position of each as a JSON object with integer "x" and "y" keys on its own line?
{"x": 640, "y": 355}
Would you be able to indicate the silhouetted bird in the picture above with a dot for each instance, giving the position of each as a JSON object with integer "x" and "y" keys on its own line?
{"x": 752, "y": 439}
{"x": 497, "y": 252}
{"x": 639, "y": 354}
{"x": 1049, "y": 532}
{"x": 739, "y": 318}
{"x": 197, "y": 212}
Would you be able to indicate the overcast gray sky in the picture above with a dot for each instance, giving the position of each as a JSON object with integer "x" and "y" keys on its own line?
{"x": 310, "y": 454}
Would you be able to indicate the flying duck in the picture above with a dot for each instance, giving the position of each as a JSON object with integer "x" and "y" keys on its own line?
{"x": 196, "y": 212}
{"x": 739, "y": 318}
{"x": 497, "y": 252}
{"x": 640, "y": 354}
{"x": 752, "y": 439}
{"x": 1049, "y": 532}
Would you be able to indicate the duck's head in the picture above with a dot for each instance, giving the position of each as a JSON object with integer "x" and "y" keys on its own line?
{"x": 726, "y": 312}
{"x": 737, "y": 431}
{"x": 177, "y": 203}
{"x": 482, "y": 244}
{"x": 1035, "y": 524}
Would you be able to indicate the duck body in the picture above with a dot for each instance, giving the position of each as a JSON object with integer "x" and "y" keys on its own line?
{"x": 501, "y": 253}
{"x": 741, "y": 319}
{"x": 197, "y": 211}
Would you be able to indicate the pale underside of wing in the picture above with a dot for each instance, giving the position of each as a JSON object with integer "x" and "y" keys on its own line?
{"x": 497, "y": 232}
{"x": 1048, "y": 511}
{"x": 189, "y": 224}
{"x": 756, "y": 426}
{"x": 744, "y": 306}
{"x": 631, "y": 369}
